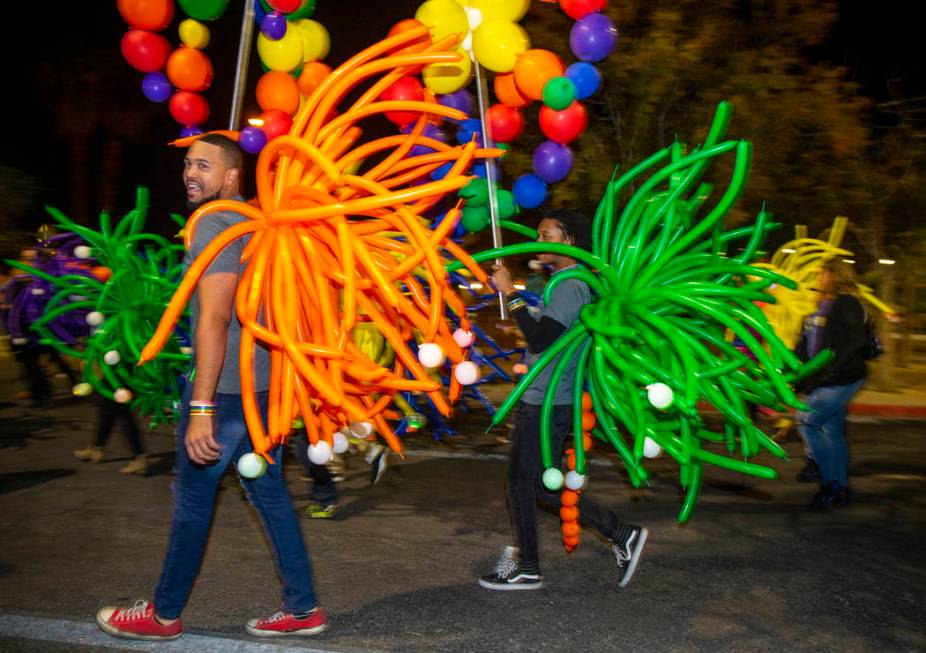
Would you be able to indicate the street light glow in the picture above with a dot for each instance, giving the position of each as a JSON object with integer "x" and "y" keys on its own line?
{"x": 886, "y": 261}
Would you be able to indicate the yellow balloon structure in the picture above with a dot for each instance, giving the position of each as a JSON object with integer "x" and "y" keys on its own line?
{"x": 801, "y": 259}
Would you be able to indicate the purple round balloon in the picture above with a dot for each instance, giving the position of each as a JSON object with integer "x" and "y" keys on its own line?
{"x": 552, "y": 161}
{"x": 156, "y": 87}
{"x": 461, "y": 100}
{"x": 273, "y": 26}
{"x": 190, "y": 130}
{"x": 252, "y": 139}
{"x": 593, "y": 37}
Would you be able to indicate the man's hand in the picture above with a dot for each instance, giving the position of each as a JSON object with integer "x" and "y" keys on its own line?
{"x": 501, "y": 279}
{"x": 200, "y": 442}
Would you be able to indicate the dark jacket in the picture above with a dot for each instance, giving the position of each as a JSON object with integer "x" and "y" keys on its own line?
{"x": 844, "y": 333}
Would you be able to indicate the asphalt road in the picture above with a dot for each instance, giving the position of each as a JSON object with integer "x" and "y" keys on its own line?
{"x": 396, "y": 570}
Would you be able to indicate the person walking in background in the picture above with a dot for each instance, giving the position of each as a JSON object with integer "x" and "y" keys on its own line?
{"x": 839, "y": 325}
{"x": 109, "y": 413}
{"x": 519, "y": 567}
{"x": 212, "y": 434}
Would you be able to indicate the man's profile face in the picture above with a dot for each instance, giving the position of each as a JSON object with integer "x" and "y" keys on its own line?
{"x": 205, "y": 174}
{"x": 550, "y": 231}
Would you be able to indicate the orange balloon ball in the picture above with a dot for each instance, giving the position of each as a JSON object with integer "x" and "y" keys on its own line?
{"x": 535, "y": 68}
{"x": 151, "y": 15}
{"x": 277, "y": 90}
{"x": 569, "y": 498}
{"x": 507, "y": 91}
{"x": 101, "y": 272}
{"x": 312, "y": 75}
{"x": 586, "y": 401}
{"x": 587, "y": 443}
{"x": 571, "y": 542}
{"x": 189, "y": 69}
{"x": 588, "y": 421}
{"x": 569, "y": 513}
{"x": 418, "y": 45}
{"x": 570, "y": 529}
{"x": 571, "y": 459}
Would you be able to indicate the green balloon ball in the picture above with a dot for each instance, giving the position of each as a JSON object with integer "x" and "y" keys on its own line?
{"x": 559, "y": 93}
{"x": 553, "y": 479}
{"x": 475, "y": 218}
{"x": 204, "y": 9}
{"x": 505, "y": 205}
{"x": 250, "y": 465}
{"x": 475, "y": 193}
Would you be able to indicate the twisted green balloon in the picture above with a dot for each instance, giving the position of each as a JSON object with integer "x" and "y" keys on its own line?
{"x": 666, "y": 294}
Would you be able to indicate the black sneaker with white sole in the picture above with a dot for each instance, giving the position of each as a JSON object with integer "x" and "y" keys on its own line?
{"x": 509, "y": 575}
{"x": 628, "y": 554}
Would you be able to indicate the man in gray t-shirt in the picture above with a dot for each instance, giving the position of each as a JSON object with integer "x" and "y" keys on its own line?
{"x": 522, "y": 571}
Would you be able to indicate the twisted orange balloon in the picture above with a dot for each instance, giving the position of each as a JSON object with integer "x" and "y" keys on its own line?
{"x": 330, "y": 248}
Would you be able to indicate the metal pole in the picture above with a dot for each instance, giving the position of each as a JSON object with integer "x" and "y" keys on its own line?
{"x": 241, "y": 69}
{"x": 482, "y": 94}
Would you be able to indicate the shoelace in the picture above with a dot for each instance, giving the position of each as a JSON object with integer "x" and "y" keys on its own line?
{"x": 138, "y": 611}
{"x": 276, "y": 616}
{"x": 505, "y": 566}
{"x": 622, "y": 554}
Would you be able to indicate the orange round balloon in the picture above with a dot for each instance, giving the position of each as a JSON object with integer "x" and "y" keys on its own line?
{"x": 150, "y": 15}
{"x": 569, "y": 513}
{"x": 277, "y": 90}
{"x": 571, "y": 459}
{"x": 586, "y": 401}
{"x": 101, "y": 272}
{"x": 588, "y": 421}
{"x": 569, "y": 498}
{"x": 570, "y": 529}
{"x": 587, "y": 441}
{"x": 189, "y": 69}
{"x": 535, "y": 68}
{"x": 507, "y": 91}
{"x": 312, "y": 75}
{"x": 417, "y": 45}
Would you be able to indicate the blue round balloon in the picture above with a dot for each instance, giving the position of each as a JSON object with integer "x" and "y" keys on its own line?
{"x": 529, "y": 191}
{"x": 552, "y": 161}
{"x": 586, "y": 78}
{"x": 156, "y": 87}
{"x": 469, "y": 128}
{"x": 461, "y": 100}
{"x": 441, "y": 172}
{"x": 252, "y": 139}
{"x": 593, "y": 37}
{"x": 259, "y": 11}
{"x": 273, "y": 26}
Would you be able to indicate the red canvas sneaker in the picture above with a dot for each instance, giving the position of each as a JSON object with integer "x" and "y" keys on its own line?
{"x": 283, "y": 624}
{"x": 137, "y": 622}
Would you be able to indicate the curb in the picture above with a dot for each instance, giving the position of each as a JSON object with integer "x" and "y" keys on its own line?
{"x": 888, "y": 410}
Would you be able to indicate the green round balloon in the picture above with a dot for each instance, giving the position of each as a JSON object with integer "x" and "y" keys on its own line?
{"x": 475, "y": 218}
{"x": 559, "y": 93}
{"x": 204, "y": 9}
{"x": 475, "y": 193}
{"x": 505, "y": 205}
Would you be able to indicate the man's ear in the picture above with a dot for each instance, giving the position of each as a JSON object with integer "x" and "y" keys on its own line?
{"x": 233, "y": 179}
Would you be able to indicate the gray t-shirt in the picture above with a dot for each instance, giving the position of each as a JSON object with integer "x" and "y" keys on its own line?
{"x": 566, "y": 300}
{"x": 228, "y": 260}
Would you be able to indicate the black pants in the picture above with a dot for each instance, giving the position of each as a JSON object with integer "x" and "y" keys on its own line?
{"x": 30, "y": 357}
{"x": 108, "y": 414}
{"x": 525, "y": 484}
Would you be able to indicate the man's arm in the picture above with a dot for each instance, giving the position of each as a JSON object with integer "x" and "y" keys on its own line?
{"x": 216, "y": 299}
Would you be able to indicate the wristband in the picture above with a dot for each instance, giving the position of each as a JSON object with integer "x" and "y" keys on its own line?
{"x": 208, "y": 404}
{"x": 516, "y": 304}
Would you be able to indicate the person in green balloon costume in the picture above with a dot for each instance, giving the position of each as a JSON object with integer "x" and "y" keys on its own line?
{"x": 519, "y": 568}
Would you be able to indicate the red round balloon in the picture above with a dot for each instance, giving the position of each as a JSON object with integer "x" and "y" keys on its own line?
{"x": 188, "y": 108}
{"x": 576, "y": 9}
{"x": 276, "y": 123}
{"x": 404, "y": 89}
{"x": 144, "y": 51}
{"x": 563, "y": 126}
{"x": 285, "y": 6}
{"x": 505, "y": 123}
{"x": 152, "y": 15}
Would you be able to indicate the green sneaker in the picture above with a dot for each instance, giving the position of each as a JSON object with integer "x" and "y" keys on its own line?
{"x": 318, "y": 511}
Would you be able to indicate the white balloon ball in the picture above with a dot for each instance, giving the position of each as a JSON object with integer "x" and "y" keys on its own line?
{"x": 361, "y": 429}
{"x": 82, "y": 389}
{"x": 340, "y": 442}
{"x": 553, "y": 479}
{"x": 535, "y": 265}
{"x": 650, "y": 448}
{"x": 250, "y": 465}
{"x": 111, "y": 357}
{"x": 122, "y": 396}
{"x": 575, "y": 481}
{"x": 464, "y": 338}
{"x": 660, "y": 395}
{"x": 20, "y": 341}
{"x": 430, "y": 354}
{"x": 186, "y": 350}
{"x": 38, "y": 291}
{"x": 320, "y": 452}
{"x": 82, "y": 251}
{"x": 467, "y": 372}
{"x": 94, "y": 318}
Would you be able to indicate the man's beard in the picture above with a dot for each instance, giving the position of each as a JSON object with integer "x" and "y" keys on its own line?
{"x": 192, "y": 206}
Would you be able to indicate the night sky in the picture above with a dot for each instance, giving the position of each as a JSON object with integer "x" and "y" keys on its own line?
{"x": 882, "y": 47}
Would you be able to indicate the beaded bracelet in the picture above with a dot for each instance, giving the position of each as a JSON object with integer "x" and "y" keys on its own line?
{"x": 516, "y": 303}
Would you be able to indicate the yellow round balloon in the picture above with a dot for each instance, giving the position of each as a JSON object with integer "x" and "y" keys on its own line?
{"x": 497, "y": 44}
{"x": 444, "y": 78}
{"x": 443, "y": 17}
{"x": 512, "y": 10}
{"x": 284, "y": 55}
{"x": 315, "y": 40}
{"x": 193, "y": 34}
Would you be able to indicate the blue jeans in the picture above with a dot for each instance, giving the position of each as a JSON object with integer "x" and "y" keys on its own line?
{"x": 195, "y": 488}
{"x": 822, "y": 428}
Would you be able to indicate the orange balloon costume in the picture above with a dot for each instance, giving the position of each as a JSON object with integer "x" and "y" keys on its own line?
{"x": 330, "y": 248}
